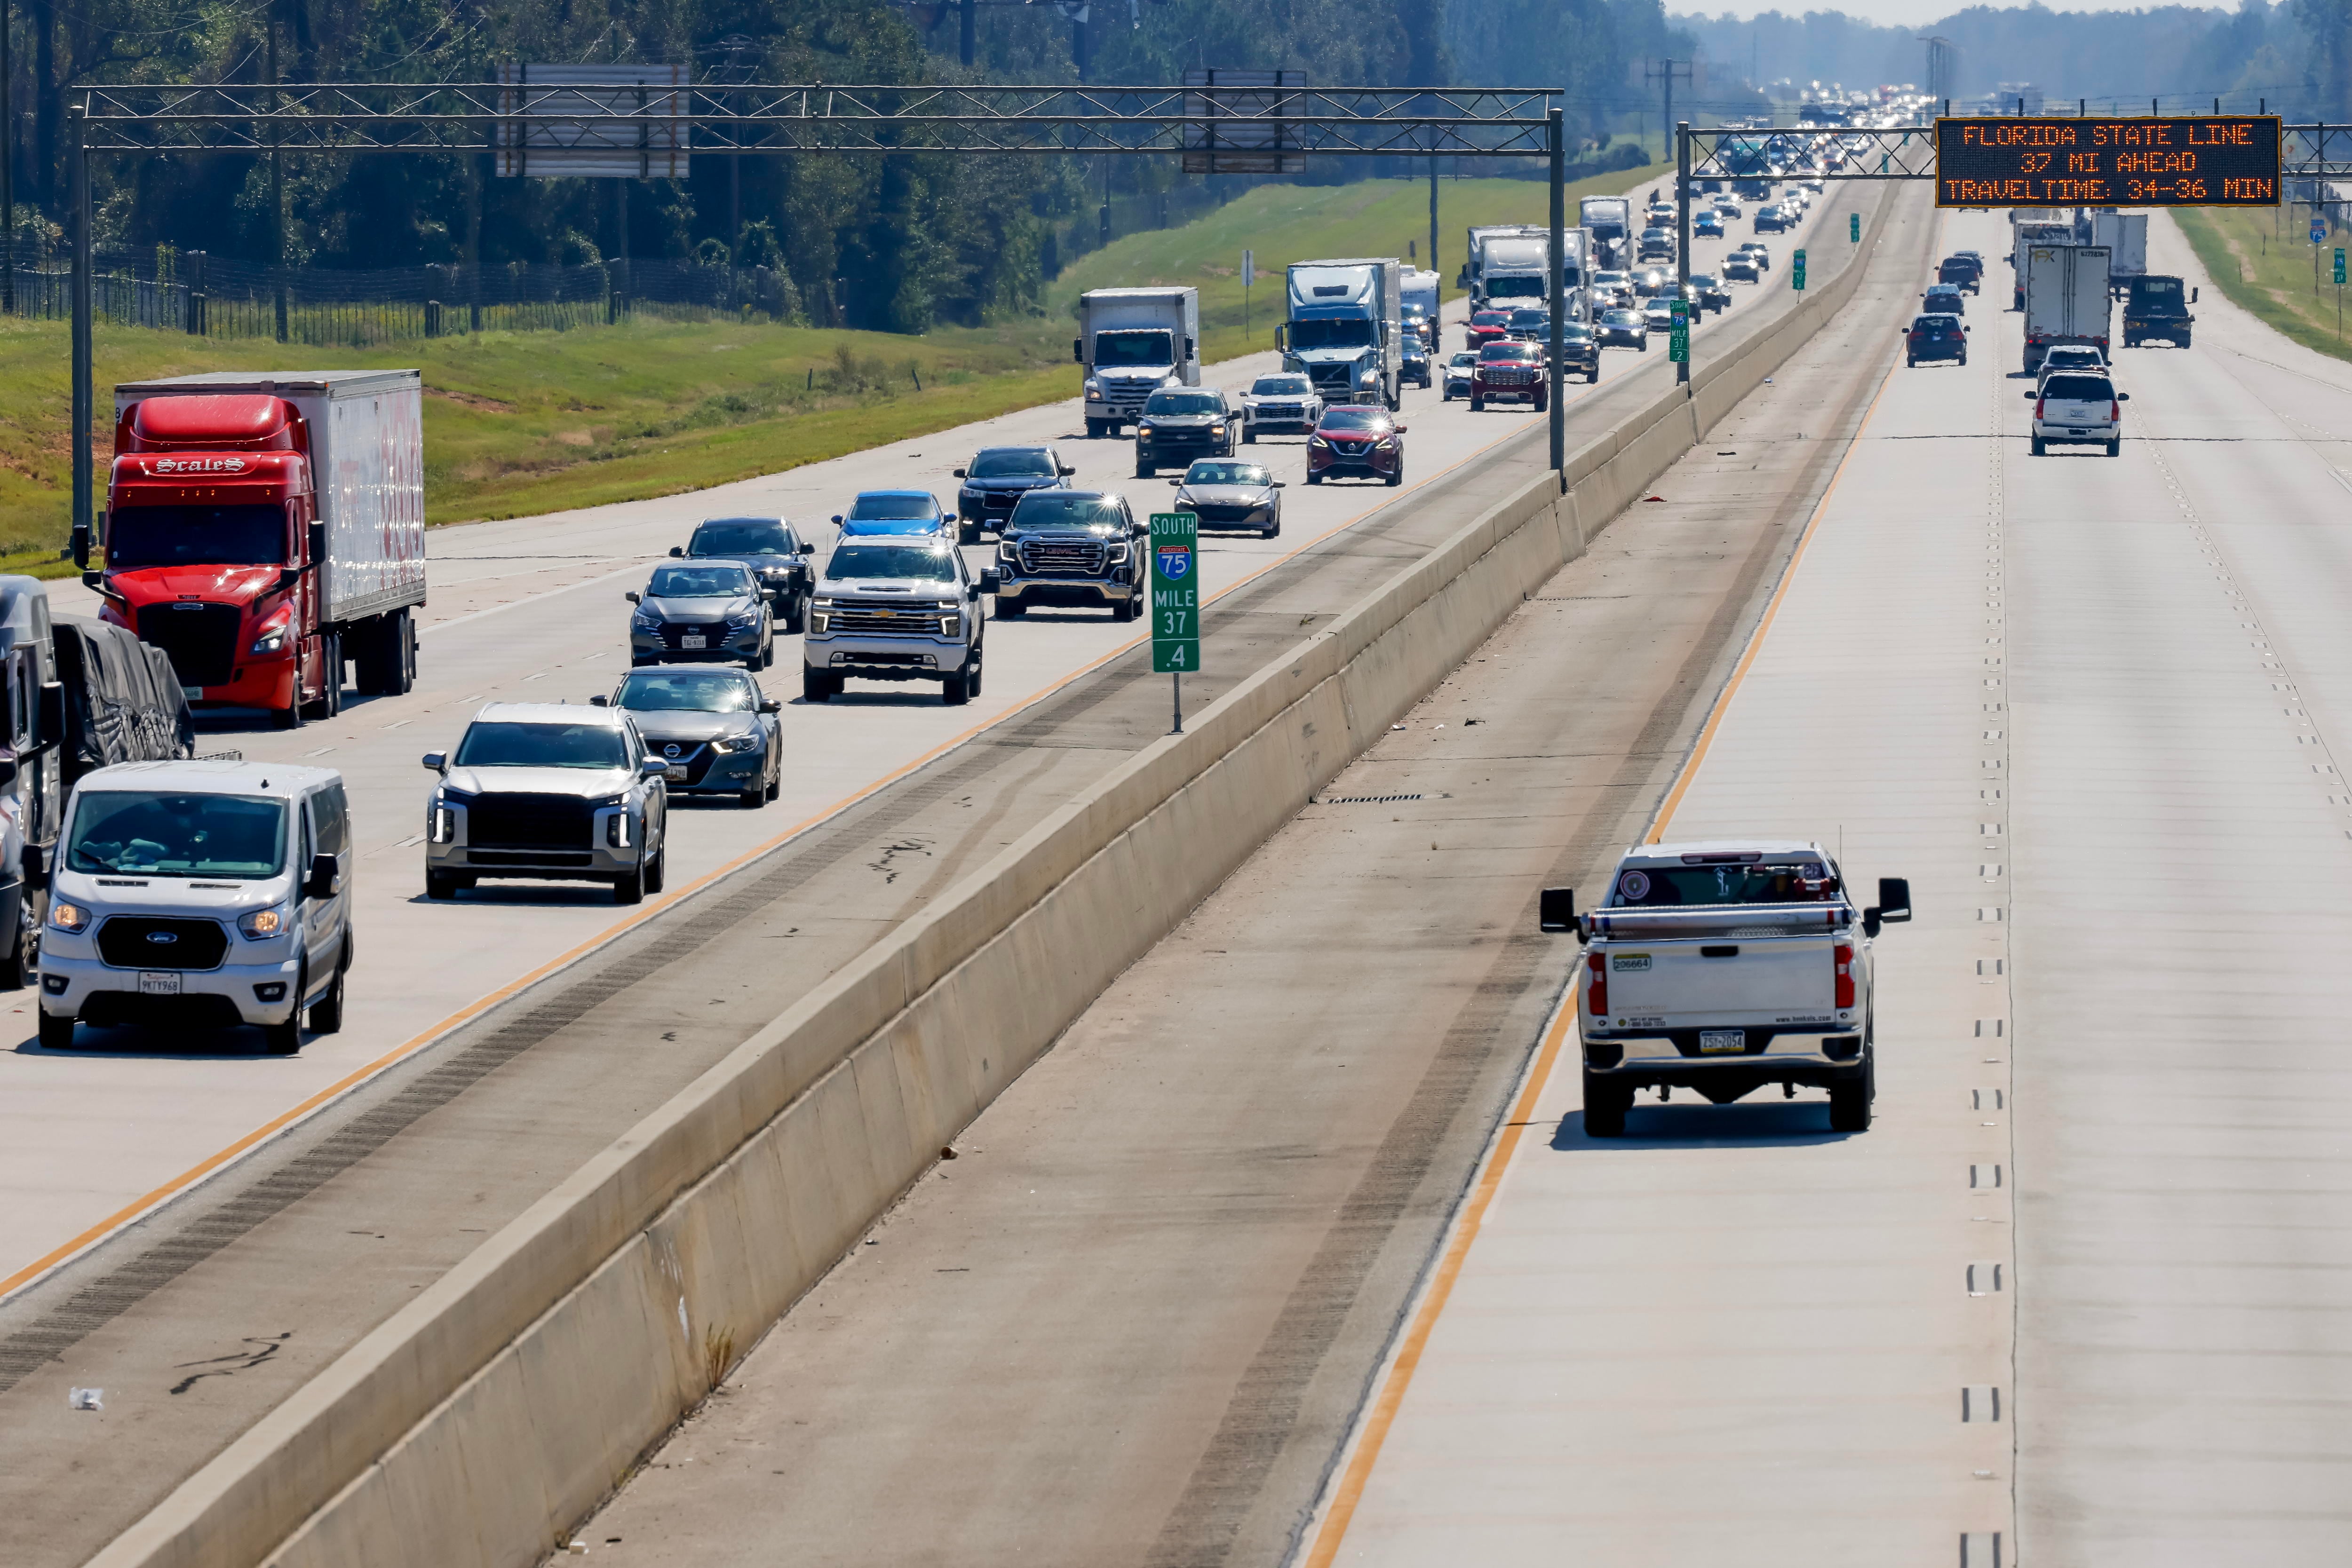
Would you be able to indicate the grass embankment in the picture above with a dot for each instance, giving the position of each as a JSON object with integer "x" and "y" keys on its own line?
{"x": 1284, "y": 224}
{"x": 2262, "y": 263}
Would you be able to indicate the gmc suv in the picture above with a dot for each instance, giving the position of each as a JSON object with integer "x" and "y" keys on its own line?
{"x": 1081, "y": 548}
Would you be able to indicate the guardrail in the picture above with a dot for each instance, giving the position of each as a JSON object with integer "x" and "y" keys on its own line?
{"x": 480, "y": 1423}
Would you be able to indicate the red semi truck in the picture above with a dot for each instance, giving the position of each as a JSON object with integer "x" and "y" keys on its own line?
{"x": 262, "y": 529}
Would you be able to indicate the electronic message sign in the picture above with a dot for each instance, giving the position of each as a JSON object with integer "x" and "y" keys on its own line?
{"x": 2190, "y": 161}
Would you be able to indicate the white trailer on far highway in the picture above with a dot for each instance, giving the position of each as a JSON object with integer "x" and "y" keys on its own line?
{"x": 2126, "y": 237}
{"x": 2065, "y": 299}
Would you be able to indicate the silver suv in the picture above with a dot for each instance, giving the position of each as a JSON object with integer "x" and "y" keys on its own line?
{"x": 895, "y": 609}
{"x": 551, "y": 792}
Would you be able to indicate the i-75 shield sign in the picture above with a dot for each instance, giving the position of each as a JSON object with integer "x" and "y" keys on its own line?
{"x": 1175, "y": 592}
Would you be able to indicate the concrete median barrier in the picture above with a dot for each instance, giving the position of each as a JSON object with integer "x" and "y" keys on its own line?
{"x": 479, "y": 1424}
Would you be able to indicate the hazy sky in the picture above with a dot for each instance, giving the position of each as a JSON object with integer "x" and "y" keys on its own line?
{"x": 1886, "y": 12}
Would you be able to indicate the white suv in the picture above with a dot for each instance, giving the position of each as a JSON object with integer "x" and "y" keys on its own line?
{"x": 2078, "y": 408}
{"x": 204, "y": 895}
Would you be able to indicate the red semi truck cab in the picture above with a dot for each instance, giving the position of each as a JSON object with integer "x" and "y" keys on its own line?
{"x": 264, "y": 530}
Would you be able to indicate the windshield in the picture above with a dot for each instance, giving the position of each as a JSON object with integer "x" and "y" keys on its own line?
{"x": 1490, "y": 318}
{"x": 740, "y": 539}
{"x": 1116, "y": 350}
{"x": 1281, "y": 386}
{"x": 1529, "y": 318}
{"x": 1061, "y": 510}
{"x": 1935, "y": 323}
{"x": 2078, "y": 389}
{"x": 1012, "y": 463}
{"x": 1206, "y": 473}
{"x": 688, "y": 691}
{"x": 1183, "y": 403}
{"x": 1515, "y": 287}
{"x": 494, "y": 743}
{"x": 1356, "y": 419}
{"x": 883, "y": 505}
{"x": 1354, "y": 333}
{"x": 1702, "y": 280}
{"x": 1464, "y": 357}
{"x": 700, "y": 582}
{"x": 177, "y": 835}
{"x": 140, "y": 537}
{"x": 1756, "y": 881}
{"x": 927, "y": 563}
{"x": 1622, "y": 319}
{"x": 1506, "y": 353}
{"x": 2157, "y": 288}
{"x": 1572, "y": 330}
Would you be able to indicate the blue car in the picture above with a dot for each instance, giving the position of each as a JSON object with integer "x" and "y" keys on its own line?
{"x": 895, "y": 512}
{"x": 1708, "y": 224}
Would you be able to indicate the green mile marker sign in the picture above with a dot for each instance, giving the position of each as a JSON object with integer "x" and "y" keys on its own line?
{"x": 1175, "y": 592}
{"x": 1678, "y": 335}
{"x": 1797, "y": 272}
{"x": 2339, "y": 264}
{"x": 1854, "y": 228}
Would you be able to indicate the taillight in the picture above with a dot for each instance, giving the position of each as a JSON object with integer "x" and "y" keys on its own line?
{"x": 1596, "y": 986}
{"x": 2039, "y": 404}
{"x": 2115, "y": 411}
{"x": 1844, "y": 974}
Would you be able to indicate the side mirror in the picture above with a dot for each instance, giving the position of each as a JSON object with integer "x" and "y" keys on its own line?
{"x": 93, "y": 580}
{"x": 600, "y": 700}
{"x": 991, "y": 580}
{"x": 2031, "y": 396}
{"x": 436, "y": 760}
{"x": 2193, "y": 297}
{"x": 960, "y": 474}
{"x": 808, "y": 549}
{"x": 1280, "y": 484}
{"x": 654, "y": 766}
{"x": 632, "y": 597}
{"x": 677, "y": 552}
{"x": 836, "y": 519}
{"x": 1893, "y": 905}
{"x": 1178, "y": 484}
{"x": 1400, "y": 430}
{"x": 1556, "y": 909}
{"x": 769, "y": 705}
{"x": 326, "y": 878}
{"x": 1078, "y": 350}
{"x": 317, "y": 541}
{"x": 36, "y": 870}
{"x": 2123, "y": 397}
{"x": 1067, "y": 472}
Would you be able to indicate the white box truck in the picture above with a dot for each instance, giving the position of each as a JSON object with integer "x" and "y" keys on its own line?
{"x": 2030, "y": 226}
{"x": 1344, "y": 329}
{"x": 2065, "y": 299}
{"x": 1420, "y": 305}
{"x": 2126, "y": 237}
{"x": 1132, "y": 343}
{"x": 1611, "y": 219}
{"x": 1515, "y": 272}
{"x": 1471, "y": 253}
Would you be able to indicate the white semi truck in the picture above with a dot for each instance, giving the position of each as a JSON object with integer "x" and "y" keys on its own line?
{"x": 1726, "y": 967}
{"x": 1474, "y": 252}
{"x": 1420, "y": 299}
{"x": 2126, "y": 237}
{"x": 1610, "y": 220}
{"x": 1132, "y": 343}
{"x": 1345, "y": 330}
{"x": 2066, "y": 299}
{"x": 1515, "y": 271}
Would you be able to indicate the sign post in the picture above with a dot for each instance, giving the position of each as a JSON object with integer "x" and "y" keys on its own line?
{"x": 1797, "y": 272}
{"x": 1249, "y": 276}
{"x": 2339, "y": 293}
{"x": 1678, "y": 335}
{"x": 1175, "y": 602}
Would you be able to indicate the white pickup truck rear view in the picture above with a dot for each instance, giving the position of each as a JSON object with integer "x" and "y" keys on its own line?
{"x": 1724, "y": 967}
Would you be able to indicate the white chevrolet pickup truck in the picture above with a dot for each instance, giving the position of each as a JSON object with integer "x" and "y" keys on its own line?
{"x": 1722, "y": 968}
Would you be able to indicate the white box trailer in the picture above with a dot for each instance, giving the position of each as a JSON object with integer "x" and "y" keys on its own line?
{"x": 366, "y": 431}
{"x": 2126, "y": 237}
{"x": 2065, "y": 299}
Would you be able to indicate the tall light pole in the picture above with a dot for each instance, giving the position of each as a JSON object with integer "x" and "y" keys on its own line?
{"x": 1666, "y": 73}
{"x": 1556, "y": 292}
{"x": 7, "y": 171}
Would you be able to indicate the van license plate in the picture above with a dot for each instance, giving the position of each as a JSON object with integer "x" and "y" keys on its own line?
{"x": 158, "y": 983}
{"x": 690, "y": 643}
{"x": 1722, "y": 1042}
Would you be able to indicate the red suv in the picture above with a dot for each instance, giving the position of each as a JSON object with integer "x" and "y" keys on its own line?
{"x": 1509, "y": 373}
{"x": 1356, "y": 439}
{"x": 1490, "y": 327}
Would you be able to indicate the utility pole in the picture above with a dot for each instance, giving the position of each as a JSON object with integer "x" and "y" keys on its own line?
{"x": 1682, "y": 235}
{"x": 967, "y": 26}
{"x": 8, "y": 171}
{"x": 276, "y": 191}
{"x": 1555, "y": 292}
{"x": 1665, "y": 73}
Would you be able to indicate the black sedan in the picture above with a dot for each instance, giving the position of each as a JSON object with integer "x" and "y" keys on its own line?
{"x": 994, "y": 482}
{"x": 772, "y": 548}
{"x": 715, "y": 728}
{"x": 1531, "y": 326}
{"x": 1622, "y": 329}
{"x": 693, "y": 612}
{"x": 1709, "y": 293}
{"x": 1222, "y": 494}
{"x": 1741, "y": 267}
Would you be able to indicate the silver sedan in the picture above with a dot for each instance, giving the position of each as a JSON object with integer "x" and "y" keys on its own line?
{"x": 1222, "y": 494}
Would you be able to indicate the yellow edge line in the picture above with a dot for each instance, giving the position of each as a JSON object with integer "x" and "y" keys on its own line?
{"x": 341, "y": 1086}
{"x": 1381, "y": 1417}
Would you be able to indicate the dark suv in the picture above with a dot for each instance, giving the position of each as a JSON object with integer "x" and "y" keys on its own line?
{"x": 1179, "y": 424}
{"x": 1937, "y": 337}
{"x": 773, "y": 551}
{"x": 1961, "y": 272}
{"x": 997, "y": 478}
{"x": 1081, "y": 548}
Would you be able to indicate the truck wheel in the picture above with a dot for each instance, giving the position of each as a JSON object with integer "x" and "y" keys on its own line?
{"x": 286, "y": 1039}
{"x": 327, "y": 1012}
{"x": 1146, "y": 471}
{"x": 1605, "y": 1105}
{"x": 440, "y": 884}
{"x": 818, "y": 685}
{"x": 2039, "y": 448}
{"x": 56, "y": 1032}
{"x": 1010, "y": 610}
{"x": 1850, "y": 1101}
{"x": 331, "y": 677}
{"x": 1477, "y": 405}
{"x": 631, "y": 888}
{"x": 2116, "y": 447}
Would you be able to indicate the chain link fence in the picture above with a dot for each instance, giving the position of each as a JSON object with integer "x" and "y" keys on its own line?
{"x": 174, "y": 290}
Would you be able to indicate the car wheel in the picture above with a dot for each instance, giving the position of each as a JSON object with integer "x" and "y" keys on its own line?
{"x": 2039, "y": 449}
{"x": 1010, "y": 610}
{"x": 1315, "y": 478}
{"x": 630, "y": 888}
{"x": 327, "y": 1012}
{"x": 796, "y": 615}
{"x": 1605, "y": 1105}
{"x": 1273, "y": 531}
{"x": 776, "y": 784}
{"x": 56, "y": 1032}
{"x": 1909, "y": 363}
{"x": 1396, "y": 477}
{"x": 657, "y": 869}
{"x": 440, "y": 884}
{"x": 1478, "y": 404}
{"x": 1644, "y": 345}
{"x": 2116, "y": 447}
{"x": 1249, "y": 435}
{"x": 286, "y": 1039}
{"x": 1592, "y": 376}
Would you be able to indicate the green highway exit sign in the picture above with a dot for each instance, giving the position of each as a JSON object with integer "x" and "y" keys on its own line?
{"x": 1854, "y": 228}
{"x": 1175, "y": 592}
{"x": 1797, "y": 271}
{"x": 1678, "y": 335}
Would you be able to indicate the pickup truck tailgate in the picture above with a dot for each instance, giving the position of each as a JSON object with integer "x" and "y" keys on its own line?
{"x": 1750, "y": 978}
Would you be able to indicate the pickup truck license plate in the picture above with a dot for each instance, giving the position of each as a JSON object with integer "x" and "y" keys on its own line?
{"x": 692, "y": 642}
{"x": 193, "y": 693}
{"x": 1722, "y": 1042}
{"x": 158, "y": 983}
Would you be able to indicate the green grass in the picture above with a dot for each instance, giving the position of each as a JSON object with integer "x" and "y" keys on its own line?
{"x": 523, "y": 422}
{"x": 1284, "y": 224}
{"x": 2265, "y": 265}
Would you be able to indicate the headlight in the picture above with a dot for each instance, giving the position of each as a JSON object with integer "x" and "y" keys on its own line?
{"x": 270, "y": 642}
{"x": 1389, "y": 445}
{"x": 745, "y": 617}
{"x": 67, "y": 916}
{"x": 1317, "y": 441}
{"x": 1094, "y": 387}
{"x": 260, "y": 924}
{"x": 646, "y": 619}
{"x": 733, "y": 744}
{"x": 617, "y": 831}
{"x": 1216, "y": 430}
{"x": 1118, "y": 554}
{"x": 440, "y": 823}
{"x": 1143, "y": 433}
